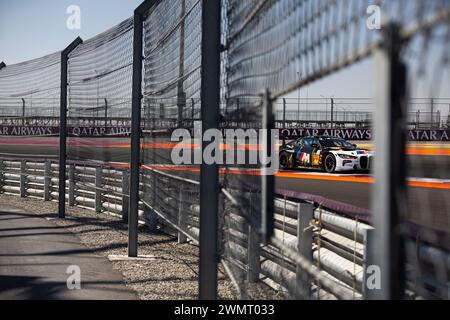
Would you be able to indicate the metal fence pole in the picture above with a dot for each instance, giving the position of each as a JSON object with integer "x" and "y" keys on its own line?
{"x": 2, "y": 168}
{"x": 431, "y": 113}
{"x": 267, "y": 178}
{"x": 71, "y": 185}
{"x": 135, "y": 136}
{"x": 47, "y": 179}
{"x": 181, "y": 95}
{"x": 254, "y": 248}
{"x": 305, "y": 214}
{"x": 368, "y": 241}
{"x": 106, "y": 115}
{"x": 209, "y": 174}
{"x": 23, "y": 178}
{"x": 332, "y": 113}
{"x": 63, "y": 127}
{"x": 193, "y": 110}
{"x": 23, "y": 111}
{"x": 389, "y": 191}
{"x": 98, "y": 189}
{"x": 182, "y": 216}
{"x": 136, "y": 125}
{"x": 151, "y": 218}
{"x": 125, "y": 194}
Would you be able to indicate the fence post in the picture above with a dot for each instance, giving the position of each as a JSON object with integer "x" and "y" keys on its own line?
{"x": 305, "y": 214}
{"x": 368, "y": 241}
{"x": 182, "y": 216}
{"x": 267, "y": 178}
{"x": 417, "y": 119}
{"x": 193, "y": 111}
{"x": 136, "y": 96}
{"x": 2, "y": 168}
{"x": 181, "y": 104}
{"x": 431, "y": 113}
{"x": 98, "y": 189}
{"x": 106, "y": 115}
{"x": 209, "y": 173}
{"x": 332, "y": 112}
{"x": 254, "y": 248}
{"x": 389, "y": 191}
{"x": 47, "y": 179}
{"x": 71, "y": 185}
{"x": 23, "y": 178}
{"x": 151, "y": 218}
{"x": 63, "y": 127}
{"x": 23, "y": 111}
{"x": 181, "y": 95}
{"x": 125, "y": 195}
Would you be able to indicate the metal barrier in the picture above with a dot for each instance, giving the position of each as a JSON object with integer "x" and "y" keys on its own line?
{"x": 178, "y": 57}
{"x": 336, "y": 241}
{"x": 332, "y": 237}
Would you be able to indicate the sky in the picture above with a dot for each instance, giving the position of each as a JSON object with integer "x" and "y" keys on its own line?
{"x": 32, "y": 28}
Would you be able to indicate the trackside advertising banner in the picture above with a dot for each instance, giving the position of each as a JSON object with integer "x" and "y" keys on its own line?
{"x": 72, "y": 131}
{"x": 364, "y": 134}
{"x": 287, "y": 133}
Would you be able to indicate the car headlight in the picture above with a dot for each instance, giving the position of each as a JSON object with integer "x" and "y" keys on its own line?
{"x": 346, "y": 156}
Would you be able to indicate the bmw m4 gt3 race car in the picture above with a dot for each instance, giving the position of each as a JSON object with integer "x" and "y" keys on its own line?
{"x": 330, "y": 154}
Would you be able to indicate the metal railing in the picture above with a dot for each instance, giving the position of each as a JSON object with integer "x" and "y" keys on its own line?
{"x": 105, "y": 189}
{"x": 332, "y": 237}
{"x": 241, "y": 57}
{"x": 102, "y": 116}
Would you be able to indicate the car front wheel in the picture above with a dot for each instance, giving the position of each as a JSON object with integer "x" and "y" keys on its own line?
{"x": 330, "y": 163}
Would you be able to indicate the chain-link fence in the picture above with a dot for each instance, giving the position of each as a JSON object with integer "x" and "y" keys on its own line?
{"x": 355, "y": 112}
{"x": 99, "y": 89}
{"x": 171, "y": 99}
{"x": 158, "y": 71}
{"x": 30, "y": 89}
{"x": 281, "y": 46}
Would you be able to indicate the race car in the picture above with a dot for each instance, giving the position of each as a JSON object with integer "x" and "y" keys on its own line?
{"x": 330, "y": 154}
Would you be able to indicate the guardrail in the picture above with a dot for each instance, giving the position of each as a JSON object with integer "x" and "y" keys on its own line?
{"x": 329, "y": 235}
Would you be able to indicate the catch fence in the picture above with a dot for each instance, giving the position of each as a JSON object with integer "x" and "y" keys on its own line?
{"x": 199, "y": 65}
{"x": 331, "y": 234}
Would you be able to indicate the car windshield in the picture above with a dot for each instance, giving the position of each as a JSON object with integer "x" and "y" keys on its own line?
{"x": 335, "y": 142}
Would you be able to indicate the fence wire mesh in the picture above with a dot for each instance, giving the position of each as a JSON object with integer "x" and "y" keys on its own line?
{"x": 426, "y": 224}
{"x": 99, "y": 90}
{"x": 274, "y": 45}
{"x": 31, "y": 88}
{"x": 284, "y": 45}
{"x": 171, "y": 99}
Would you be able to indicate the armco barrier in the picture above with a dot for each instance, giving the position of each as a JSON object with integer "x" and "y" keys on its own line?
{"x": 332, "y": 235}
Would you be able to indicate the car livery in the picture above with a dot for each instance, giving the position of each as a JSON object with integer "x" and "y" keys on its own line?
{"x": 323, "y": 152}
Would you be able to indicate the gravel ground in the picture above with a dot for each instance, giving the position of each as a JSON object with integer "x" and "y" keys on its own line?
{"x": 172, "y": 274}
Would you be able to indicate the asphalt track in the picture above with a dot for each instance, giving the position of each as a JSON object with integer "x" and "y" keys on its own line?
{"x": 423, "y": 160}
{"x": 428, "y": 199}
{"x": 428, "y": 167}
